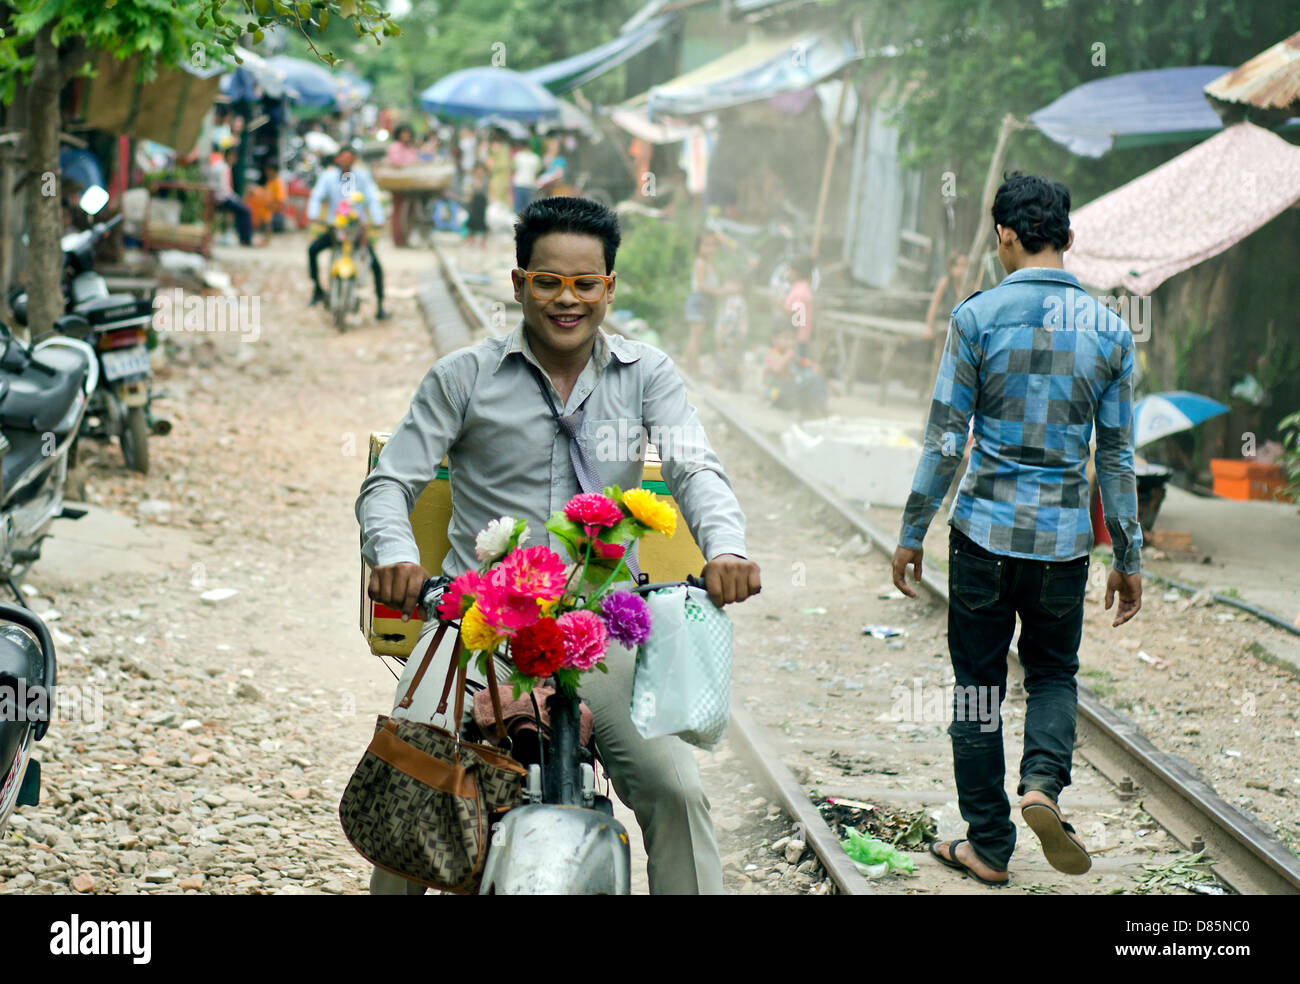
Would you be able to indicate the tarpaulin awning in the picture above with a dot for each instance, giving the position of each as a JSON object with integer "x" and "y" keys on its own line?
{"x": 1164, "y": 105}
{"x": 757, "y": 70}
{"x": 1184, "y": 211}
{"x": 638, "y": 123}
{"x": 569, "y": 73}
{"x": 251, "y": 74}
{"x": 169, "y": 109}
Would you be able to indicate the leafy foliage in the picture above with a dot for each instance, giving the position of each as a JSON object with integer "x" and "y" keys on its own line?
{"x": 440, "y": 38}
{"x": 960, "y": 65}
{"x": 1290, "y": 431}
{"x": 654, "y": 264}
{"x": 167, "y": 32}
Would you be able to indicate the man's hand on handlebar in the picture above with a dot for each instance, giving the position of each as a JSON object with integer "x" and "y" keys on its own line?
{"x": 729, "y": 578}
{"x": 397, "y": 586}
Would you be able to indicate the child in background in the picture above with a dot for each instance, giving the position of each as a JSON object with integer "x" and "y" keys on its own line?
{"x": 798, "y": 305}
{"x": 730, "y": 336}
{"x": 266, "y": 201}
{"x": 791, "y": 382}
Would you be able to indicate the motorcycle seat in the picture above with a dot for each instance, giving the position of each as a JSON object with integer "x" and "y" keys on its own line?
{"x": 37, "y": 400}
{"x": 112, "y": 307}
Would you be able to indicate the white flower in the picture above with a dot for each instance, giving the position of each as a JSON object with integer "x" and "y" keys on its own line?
{"x": 494, "y": 540}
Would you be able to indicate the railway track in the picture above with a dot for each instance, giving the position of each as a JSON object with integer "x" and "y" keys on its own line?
{"x": 1245, "y": 855}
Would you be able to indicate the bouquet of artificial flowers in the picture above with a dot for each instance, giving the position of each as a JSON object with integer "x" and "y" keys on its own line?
{"x": 549, "y": 618}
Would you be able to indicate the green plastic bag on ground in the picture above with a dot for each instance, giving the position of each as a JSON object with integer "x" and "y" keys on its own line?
{"x": 872, "y": 853}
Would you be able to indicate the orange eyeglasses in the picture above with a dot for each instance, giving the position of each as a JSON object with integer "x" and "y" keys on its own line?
{"x": 588, "y": 287}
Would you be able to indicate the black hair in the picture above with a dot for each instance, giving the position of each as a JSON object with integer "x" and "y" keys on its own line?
{"x": 802, "y": 266}
{"x": 560, "y": 214}
{"x": 1037, "y": 209}
{"x": 397, "y": 130}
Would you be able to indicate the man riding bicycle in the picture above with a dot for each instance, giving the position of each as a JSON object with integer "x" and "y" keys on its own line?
{"x": 483, "y": 407}
{"x": 338, "y": 184}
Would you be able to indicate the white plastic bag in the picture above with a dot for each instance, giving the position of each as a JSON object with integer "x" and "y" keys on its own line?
{"x": 683, "y": 673}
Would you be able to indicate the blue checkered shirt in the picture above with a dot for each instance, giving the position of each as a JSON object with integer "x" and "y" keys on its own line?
{"x": 1035, "y": 361}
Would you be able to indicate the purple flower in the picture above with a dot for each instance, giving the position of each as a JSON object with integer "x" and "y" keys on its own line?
{"x": 627, "y": 617}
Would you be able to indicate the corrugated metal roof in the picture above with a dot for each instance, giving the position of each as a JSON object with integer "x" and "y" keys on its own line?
{"x": 1270, "y": 80}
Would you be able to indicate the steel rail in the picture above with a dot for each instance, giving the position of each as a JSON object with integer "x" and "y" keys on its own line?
{"x": 1246, "y": 855}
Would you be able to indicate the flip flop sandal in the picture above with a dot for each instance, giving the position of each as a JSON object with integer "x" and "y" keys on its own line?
{"x": 956, "y": 865}
{"x": 1063, "y": 850}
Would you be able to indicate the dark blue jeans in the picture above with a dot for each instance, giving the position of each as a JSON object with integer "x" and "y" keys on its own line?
{"x": 986, "y": 593}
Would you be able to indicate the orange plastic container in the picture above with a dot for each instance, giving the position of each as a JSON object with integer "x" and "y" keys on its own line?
{"x": 1237, "y": 479}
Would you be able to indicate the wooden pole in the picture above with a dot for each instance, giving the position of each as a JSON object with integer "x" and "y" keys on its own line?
{"x": 985, "y": 224}
{"x": 829, "y": 167}
{"x": 975, "y": 255}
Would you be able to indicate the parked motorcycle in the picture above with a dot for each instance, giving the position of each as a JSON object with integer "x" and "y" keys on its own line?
{"x": 119, "y": 324}
{"x": 27, "y": 675}
{"x": 349, "y": 262}
{"x": 44, "y": 393}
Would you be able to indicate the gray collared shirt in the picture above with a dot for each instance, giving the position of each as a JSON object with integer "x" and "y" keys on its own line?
{"x": 481, "y": 407}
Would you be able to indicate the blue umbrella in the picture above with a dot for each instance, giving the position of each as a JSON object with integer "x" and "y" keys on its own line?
{"x": 314, "y": 84}
{"x": 478, "y": 92}
{"x": 1162, "y": 414}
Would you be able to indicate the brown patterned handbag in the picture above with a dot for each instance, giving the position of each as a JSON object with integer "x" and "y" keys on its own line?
{"x": 421, "y": 801}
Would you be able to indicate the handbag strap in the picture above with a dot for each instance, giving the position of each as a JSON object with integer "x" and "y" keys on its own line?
{"x": 457, "y": 674}
{"x": 424, "y": 666}
{"x": 588, "y": 477}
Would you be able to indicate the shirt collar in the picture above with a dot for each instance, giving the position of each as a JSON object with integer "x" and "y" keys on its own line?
{"x": 608, "y": 347}
{"x": 1051, "y": 274}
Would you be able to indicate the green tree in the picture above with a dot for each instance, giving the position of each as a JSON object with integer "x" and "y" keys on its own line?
{"x": 443, "y": 37}
{"x": 959, "y": 65}
{"x": 48, "y": 42}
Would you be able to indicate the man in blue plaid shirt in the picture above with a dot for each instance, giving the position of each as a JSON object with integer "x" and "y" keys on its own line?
{"x": 1035, "y": 361}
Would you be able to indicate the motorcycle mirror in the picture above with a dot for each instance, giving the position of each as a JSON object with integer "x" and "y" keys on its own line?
{"x": 93, "y": 199}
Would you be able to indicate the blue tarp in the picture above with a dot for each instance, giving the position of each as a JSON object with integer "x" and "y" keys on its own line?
{"x": 1163, "y": 105}
{"x": 569, "y": 73}
{"x": 311, "y": 84}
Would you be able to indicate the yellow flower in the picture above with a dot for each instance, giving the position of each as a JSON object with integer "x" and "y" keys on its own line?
{"x": 659, "y": 516}
{"x": 547, "y": 604}
{"x": 476, "y": 634}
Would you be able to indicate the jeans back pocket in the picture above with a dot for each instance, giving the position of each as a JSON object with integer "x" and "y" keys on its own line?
{"x": 975, "y": 580}
{"x": 1064, "y": 585}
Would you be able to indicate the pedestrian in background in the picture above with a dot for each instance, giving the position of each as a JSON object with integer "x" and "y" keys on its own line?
{"x": 1035, "y": 374}
{"x": 476, "y": 223}
{"x": 702, "y": 302}
{"x": 220, "y": 180}
{"x": 524, "y": 167}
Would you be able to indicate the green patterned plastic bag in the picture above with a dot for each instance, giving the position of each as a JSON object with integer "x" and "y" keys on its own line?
{"x": 683, "y": 672}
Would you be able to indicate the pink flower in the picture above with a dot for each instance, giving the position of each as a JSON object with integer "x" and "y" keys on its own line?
{"x": 535, "y": 572}
{"x": 584, "y": 639}
{"x": 459, "y": 595}
{"x": 593, "y": 509}
{"x": 505, "y": 610}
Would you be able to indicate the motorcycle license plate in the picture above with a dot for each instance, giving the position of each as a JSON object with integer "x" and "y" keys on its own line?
{"x": 132, "y": 361}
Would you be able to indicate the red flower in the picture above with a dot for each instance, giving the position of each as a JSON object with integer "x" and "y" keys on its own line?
{"x": 607, "y": 551}
{"x": 538, "y": 649}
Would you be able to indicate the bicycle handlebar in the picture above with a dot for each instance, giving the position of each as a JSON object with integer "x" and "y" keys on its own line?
{"x": 433, "y": 587}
